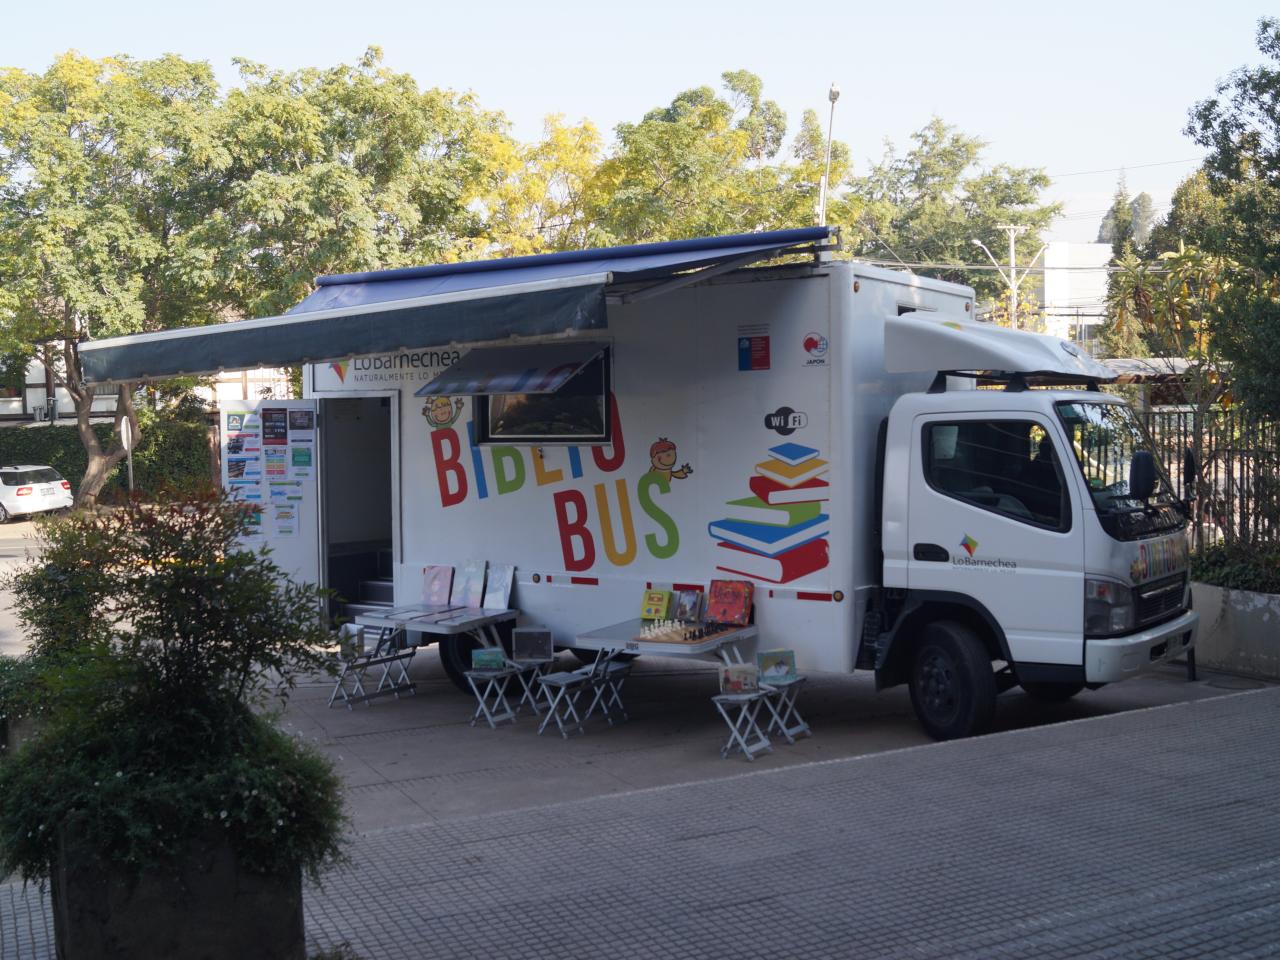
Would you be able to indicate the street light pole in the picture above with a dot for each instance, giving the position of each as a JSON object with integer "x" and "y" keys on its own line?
{"x": 833, "y": 95}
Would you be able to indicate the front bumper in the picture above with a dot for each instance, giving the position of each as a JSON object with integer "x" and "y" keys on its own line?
{"x": 1115, "y": 658}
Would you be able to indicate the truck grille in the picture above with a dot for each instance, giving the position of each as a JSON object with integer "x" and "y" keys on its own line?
{"x": 1160, "y": 600}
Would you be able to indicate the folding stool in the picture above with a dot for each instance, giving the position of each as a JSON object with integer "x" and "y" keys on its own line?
{"x": 491, "y": 701}
{"x": 562, "y": 690}
{"x": 780, "y": 699}
{"x": 745, "y": 734}
{"x": 607, "y": 678}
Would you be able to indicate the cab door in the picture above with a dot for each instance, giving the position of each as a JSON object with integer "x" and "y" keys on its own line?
{"x": 992, "y": 517}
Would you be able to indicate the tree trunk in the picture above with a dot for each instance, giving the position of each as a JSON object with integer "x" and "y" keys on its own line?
{"x": 101, "y": 462}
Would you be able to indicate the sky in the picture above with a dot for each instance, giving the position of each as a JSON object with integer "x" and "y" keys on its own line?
{"x": 1080, "y": 89}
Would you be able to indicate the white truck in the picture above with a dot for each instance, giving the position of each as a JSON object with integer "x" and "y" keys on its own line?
{"x": 813, "y": 427}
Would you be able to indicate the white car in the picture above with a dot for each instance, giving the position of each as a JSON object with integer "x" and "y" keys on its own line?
{"x": 32, "y": 489}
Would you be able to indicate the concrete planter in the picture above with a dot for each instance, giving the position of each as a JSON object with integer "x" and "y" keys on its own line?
{"x": 1239, "y": 631}
{"x": 209, "y": 909}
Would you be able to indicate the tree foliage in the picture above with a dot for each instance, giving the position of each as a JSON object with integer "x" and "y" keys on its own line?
{"x": 930, "y": 203}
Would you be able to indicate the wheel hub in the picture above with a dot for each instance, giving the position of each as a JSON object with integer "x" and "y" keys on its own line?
{"x": 938, "y": 685}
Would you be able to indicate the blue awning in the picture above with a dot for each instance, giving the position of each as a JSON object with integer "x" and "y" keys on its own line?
{"x": 455, "y": 303}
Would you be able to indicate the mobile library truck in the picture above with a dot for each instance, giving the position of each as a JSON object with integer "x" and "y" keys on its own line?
{"x": 658, "y": 416}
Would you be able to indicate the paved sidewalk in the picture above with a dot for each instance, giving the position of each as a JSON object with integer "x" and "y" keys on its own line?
{"x": 1152, "y": 833}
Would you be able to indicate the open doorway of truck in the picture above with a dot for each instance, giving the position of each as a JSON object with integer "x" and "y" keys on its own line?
{"x": 357, "y": 496}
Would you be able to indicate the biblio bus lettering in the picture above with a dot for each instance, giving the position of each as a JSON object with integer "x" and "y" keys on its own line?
{"x": 612, "y": 519}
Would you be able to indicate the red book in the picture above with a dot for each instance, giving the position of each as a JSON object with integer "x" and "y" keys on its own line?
{"x": 771, "y": 491}
{"x": 800, "y": 562}
{"x": 729, "y": 601}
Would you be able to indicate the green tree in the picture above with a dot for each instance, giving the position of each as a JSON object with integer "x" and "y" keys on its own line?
{"x": 1142, "y": 216}
{"x": 103, "y": 184}
{"x": 1117, "y": 223}
{"x": 1197, "y": 217}
{"x": 930, "y": 203}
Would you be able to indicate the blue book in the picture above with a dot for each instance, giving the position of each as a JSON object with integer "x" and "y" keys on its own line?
{"x": 766, "y": 538}
{"x": 793, "y": 454}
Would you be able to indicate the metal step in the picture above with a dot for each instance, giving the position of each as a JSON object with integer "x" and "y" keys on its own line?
{"x": 377, "y": 591}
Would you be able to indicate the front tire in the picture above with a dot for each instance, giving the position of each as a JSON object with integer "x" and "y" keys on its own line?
{"x": 953, "y": 688}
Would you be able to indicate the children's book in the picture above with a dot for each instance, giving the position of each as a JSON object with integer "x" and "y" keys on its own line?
{"x": 656, "y": 604}
{"x": 791, "y": 565}
{"x": 468, "y": 585}
{"x": 777, "y": 666}
{"x": 791, "y": 475}
{"x": 755, "y": 510}
{"x": 729, "y": 601}
{"x": 437, "y": 584}
{"x": 773, "y": 492}
{"x": 531, "y": 645}
{"x": 687, "y": 604}
{"x": 739, "y": 678}
{"x": 488, "y": 658}
{"x": 497, "y": 591}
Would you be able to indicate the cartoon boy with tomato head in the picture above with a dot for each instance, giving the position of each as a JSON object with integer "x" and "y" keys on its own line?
{"x": 662, "y": 459}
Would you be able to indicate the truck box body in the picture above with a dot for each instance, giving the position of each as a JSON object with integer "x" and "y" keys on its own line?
{"x": 725, "y": 371}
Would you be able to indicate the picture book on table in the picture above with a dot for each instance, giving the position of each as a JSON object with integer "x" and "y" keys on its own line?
{"x": 437, "y": 585}
{"x": 739, "y": 678}
{"x": 686, "y": 604}
{"x": 729, "y": 601}
{"x": 497, "y": 591}
{"x": 656, "y": 604}
{"x": 776, "y": 666}
{"x": 468, "y": 584}
{"x": 488, "y": 658}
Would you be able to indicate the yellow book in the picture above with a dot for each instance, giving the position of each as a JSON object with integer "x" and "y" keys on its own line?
{"x": 791, "y": 475}
{"x": 656, "y": 604}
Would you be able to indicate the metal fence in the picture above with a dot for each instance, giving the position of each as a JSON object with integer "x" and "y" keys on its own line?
{"x": 1239, "y": 459}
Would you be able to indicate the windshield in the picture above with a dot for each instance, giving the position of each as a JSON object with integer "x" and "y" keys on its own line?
{"x": 1104, "y": 437}
{"x": 17, "y": 478}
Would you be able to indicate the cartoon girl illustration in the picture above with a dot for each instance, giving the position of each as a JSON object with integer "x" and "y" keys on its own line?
{"x": 442, "y": 412}
{"x": 662, "y": 459}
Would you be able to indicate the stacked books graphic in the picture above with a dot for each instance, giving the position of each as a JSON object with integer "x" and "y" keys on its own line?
{"x": 779, "y": 533}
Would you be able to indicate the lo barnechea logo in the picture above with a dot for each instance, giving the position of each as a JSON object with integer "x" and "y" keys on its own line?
{"x": 786, "y": 421}
{"x": 970, "y": 545}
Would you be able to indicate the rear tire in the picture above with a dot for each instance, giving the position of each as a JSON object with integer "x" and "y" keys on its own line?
{"x": 1052, "y": 692}
{"x": 4, "y": 514}
{"x": 455, "y": 657}
{"x": 953, "y": 688}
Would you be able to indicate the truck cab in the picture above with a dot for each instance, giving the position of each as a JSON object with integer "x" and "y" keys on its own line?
{"x": 1029, "y": 538}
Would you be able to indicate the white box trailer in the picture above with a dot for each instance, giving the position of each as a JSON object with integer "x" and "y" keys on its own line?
{"x": 805, "y": 426}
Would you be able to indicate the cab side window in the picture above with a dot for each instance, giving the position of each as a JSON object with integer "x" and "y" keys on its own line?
{"x": 1009, "y": 467}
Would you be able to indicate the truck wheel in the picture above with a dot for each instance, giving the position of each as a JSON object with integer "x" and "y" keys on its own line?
{"x": 4, "y": 514}
{"x": 1052, "y": 692}
{"x": 953, "y": 688}
{"x": 455, "y": 657}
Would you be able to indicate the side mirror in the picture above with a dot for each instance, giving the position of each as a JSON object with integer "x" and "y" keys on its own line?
{"x": 1142, "y": 475}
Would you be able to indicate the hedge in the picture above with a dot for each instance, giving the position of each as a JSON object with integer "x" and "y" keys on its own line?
{"x": 169, "y": 451}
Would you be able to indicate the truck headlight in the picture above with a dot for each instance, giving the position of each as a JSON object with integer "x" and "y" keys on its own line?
{"x": 1108, "y": 608}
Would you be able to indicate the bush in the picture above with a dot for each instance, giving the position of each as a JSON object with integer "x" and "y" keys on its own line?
{"x": 1238, "y": 566}
{"x": 171, "y": 452}
{"x": 156, "y": 635}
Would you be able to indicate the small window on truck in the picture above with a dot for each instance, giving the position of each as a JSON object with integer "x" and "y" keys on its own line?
{"x": 578, "y": 413}
{"x": 1009, "y": 467}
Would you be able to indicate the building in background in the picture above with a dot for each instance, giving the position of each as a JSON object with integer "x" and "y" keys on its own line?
{"x": 1073, "y": 290}
{"x": 32, "y": 401}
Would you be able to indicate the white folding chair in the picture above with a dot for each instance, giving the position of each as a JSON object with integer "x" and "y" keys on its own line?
{"x": 562, "y": 690}
{"x": 607, "y": 677}
{"x": 490, "y": 688}
{"x": 740, "y": 711}
{"x": 784, "y": 717}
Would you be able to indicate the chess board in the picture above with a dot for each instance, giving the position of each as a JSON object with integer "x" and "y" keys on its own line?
{"x": 687, "y": 634}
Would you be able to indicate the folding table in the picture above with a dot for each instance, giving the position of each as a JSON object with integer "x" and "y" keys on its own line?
{"x": 616, "y": 641}
{"x": 394, "y": 651}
